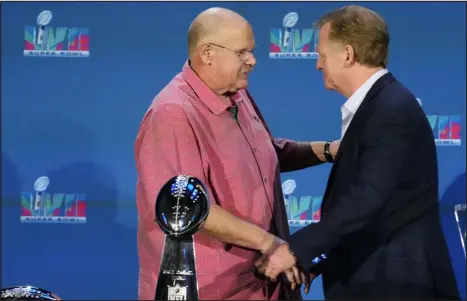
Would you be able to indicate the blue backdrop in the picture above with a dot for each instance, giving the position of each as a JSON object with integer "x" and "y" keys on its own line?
{"x": 74, "y": 120}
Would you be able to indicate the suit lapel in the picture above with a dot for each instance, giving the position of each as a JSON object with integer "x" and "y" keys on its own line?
{"x": 348, "y": 136}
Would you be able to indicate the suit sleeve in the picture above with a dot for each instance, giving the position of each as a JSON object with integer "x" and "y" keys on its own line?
{"x": 386, "y": 147}
{"x": 167, "y": 148}
{"x": 294, "y": 155}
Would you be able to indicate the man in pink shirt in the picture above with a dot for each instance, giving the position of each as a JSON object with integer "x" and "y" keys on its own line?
{"x": 204, "y": 123}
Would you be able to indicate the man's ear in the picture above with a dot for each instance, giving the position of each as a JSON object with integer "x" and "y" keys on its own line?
{"x": 205, "y": 52}
{"x": 349, "y": 56}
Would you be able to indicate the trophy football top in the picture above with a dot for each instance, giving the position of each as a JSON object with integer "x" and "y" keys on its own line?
{"x": 182, "y": 206}
{"x": 26, "y": 292}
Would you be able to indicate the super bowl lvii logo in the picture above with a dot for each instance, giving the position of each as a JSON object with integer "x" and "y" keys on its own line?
{"x": 42, "y": 206}
{"x": 303, "y": 210}
{"x": 446, "y": 128}
{"x": 293, "y": 43}
{"x": 45, "y": 41}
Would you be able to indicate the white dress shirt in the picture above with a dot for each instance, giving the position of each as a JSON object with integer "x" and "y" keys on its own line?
{"x": 350, "y": 107}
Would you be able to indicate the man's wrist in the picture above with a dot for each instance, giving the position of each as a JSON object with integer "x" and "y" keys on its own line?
{"x": 270, "y": 244}
{"x": 327, "y": 152}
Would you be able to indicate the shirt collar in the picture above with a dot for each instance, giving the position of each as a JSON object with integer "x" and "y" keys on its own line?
{"x": 352, "y": 104}
{"x": 205, "y": 94}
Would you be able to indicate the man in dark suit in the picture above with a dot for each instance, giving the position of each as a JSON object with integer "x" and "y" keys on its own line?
{"x": 380, "y": 234}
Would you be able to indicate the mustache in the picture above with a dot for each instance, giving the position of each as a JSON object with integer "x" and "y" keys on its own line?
{"x": 247, "y": 69}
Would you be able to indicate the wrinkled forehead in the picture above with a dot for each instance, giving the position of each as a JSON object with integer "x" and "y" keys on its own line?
{"x": 324, "y": 33}
{"x": 237, "y": 36}
{"x": 324, "y": 43}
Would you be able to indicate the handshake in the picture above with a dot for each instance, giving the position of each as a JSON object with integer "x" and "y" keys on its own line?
{"x": 277, "y": 258}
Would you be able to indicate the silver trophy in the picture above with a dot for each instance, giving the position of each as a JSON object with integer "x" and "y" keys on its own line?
{"x": 26, "y": 292}
{"x": 182, "y": 207}
{"x": 288, "y": 42}
{"x": 37, "y": 204}
{"x": 43, "y": 19}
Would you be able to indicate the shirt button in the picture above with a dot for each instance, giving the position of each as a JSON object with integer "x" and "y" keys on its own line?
{"x": 255, "y": 150}
{"x": 265, "y": 180}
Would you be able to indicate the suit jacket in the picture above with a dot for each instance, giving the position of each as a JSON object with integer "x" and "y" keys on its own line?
{"x": 386, "y": 162}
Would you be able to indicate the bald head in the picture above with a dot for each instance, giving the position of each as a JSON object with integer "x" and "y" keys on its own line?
{"x": 213, "y": 25}
{"x": 221, "y": 45}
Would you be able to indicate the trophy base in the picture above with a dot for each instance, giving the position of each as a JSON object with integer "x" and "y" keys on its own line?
{"x": 177, "y": 275}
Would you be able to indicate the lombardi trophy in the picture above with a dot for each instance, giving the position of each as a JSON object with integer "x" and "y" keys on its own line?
{"x": 182, "y": 207}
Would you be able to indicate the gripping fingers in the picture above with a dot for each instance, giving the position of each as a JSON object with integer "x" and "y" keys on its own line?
{"x": 291, "y": 278}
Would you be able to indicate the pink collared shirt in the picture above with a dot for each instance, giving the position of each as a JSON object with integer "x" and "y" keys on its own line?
{"x": 188, "y": 130}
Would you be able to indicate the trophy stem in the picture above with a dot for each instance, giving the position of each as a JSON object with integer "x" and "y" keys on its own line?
{"x": 177, "y": 274}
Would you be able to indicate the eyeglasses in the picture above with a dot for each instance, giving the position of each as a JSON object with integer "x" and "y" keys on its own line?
{"x": 243, "y": 54}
